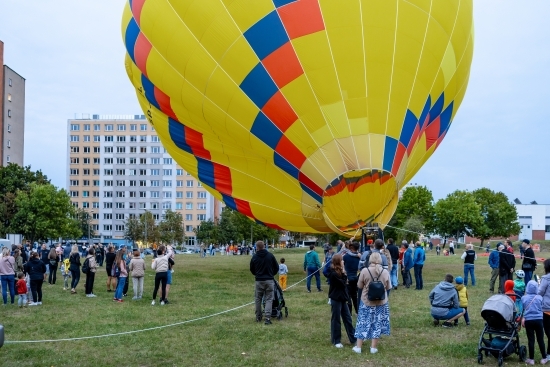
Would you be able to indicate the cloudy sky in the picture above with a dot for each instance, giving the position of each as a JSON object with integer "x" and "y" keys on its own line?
{"x": 72, "y": 56}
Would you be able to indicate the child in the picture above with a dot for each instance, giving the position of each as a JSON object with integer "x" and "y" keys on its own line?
{"x": 532, "y": 321}
{"x": 519, "y": 283}
{"x": 462, "y": 298}
{"x": 21, "y": 287}
{"x": 66, "y": 273}
{"x": 438, "y": 249}
{"x": 283, "y": 271}
{"x": 509, "y": 289}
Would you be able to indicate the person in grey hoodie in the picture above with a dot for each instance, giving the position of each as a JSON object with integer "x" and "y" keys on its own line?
{"x": 444, "y": 301}
{"x": 532, "y": 321}
{"x": 544, "y": 291}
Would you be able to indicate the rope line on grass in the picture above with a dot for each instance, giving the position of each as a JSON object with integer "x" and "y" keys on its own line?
{"x": 146, "y": 329}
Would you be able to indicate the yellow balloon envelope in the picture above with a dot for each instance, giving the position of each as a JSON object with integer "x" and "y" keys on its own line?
{"x": 307, "y": 115}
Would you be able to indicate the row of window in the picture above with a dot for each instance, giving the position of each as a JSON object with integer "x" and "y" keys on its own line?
{"x": 110, "y": 127}
{"x": 110, "y": 138}
{"x": 133, "y": 194}
{"x": 141, "y": 183}
{"x": 131, "y": 160}
{"x": 121, "y": 227}
{"x": 76, "y": 149}
{"x": 133, "y": 172}
{"x": 122, "y": 216}
{"x": 152, "y": 205}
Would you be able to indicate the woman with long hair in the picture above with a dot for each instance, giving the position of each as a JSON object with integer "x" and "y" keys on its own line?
{"x": 7, "y": 275}
{"x": 18, "y": 261}
{"x": 36, "y": 270}
{"x": 90, "y": 275}
{"x": 53, "y": 258}
{"x": 74, "y": 260}
{"x": 109, "y": 261}
{"x": 339, "y": 298}
{"x": 120, "y": 263}
{"x": 160, "y": 265}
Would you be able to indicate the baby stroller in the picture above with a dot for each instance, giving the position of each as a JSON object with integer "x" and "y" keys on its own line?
{"x": 278, "y": 302}
{"x": 500, "y": 337}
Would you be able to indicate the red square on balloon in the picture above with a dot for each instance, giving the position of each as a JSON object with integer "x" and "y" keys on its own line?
{"x": 283, "y": 65}
{"x": 301, "y": 18}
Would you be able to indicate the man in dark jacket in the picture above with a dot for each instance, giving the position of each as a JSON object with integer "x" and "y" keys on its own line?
{"x": 407, "y": 266}
{"x": 529, "y": 261}
{"x": 494, "y": 265}
{"x": 263, "y": 266}
{"x": 506, "y": 265}
{"x": 394, "y": 253}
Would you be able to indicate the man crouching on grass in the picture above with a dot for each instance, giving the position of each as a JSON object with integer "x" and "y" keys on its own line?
{"x": 264, "y": 266}
{"x": 445, "y": 304}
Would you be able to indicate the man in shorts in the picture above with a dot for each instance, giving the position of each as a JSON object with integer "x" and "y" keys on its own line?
{"x": 445, "y": 304}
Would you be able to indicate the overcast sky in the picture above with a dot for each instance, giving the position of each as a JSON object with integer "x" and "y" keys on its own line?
{"x": 72, "y": 56}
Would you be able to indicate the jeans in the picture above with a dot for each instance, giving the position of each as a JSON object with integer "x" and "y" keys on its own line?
{"x": 533, "y": 327}
{"x": 76, "y": 278}
{"x": 352, "y": 303}
{"x": 22, "y": 301}
{"x": 161, "y": 277}
{"x": 466, "y": 317}
{"x": 341, "y": 311}
{"x": 407, "y": 281}
{"x": 90, "y": 282}
{"x": 119, "y": 287}
{"x": 310, "y": 272}
{"x": 263, "y": 288}
{"x": 418, "y": 276}
{"x": 469, "y": 269}
{"x": 53, "y": 274}
{"x": 528, "y": 276}
{"x": 8, "y": 281}
{"x": 138, "y": 286}
{"x": 36, "y": 290}
{"x": 393, "y": 275}
{"x": 494, "y": 275}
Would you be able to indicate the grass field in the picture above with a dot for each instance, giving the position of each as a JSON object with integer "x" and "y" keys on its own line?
{"x": 203, "y": 287}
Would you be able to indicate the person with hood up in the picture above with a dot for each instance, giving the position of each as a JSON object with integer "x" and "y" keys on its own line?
{"x": 509, "y": 289}
{"x": 544, "y": 292}
{"x": 532, "y": 321}
{"x": 312, "y": 266}
{"x": 445, "y": 302}
{"x": 506, "y": 265}
{"x": 494, "y": 265}
{"x": 407, "y": 266}
{"x": 263, "y": 266}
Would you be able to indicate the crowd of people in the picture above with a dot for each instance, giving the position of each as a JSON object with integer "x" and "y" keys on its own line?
{"x": 24, "y": 269}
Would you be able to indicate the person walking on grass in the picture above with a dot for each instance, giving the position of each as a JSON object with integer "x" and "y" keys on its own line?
{"x": 529, "y": 261}
{"x": 418, "y": 263}
{"x": 45, "y": 257}
{"x": 109, "y": 261}
{"x": 160, "y": 265}
{"x": 311, "y": 267}
{"x": 7, "y": 275}
{"x": 544, "y": 292}
{"x": 53, "y": 259}
{"x": 351, "y": 266}
{"x": 18, "y": 261}
{"x": 90, "y": 275}
{"x": 494, "y": 265}
{"x": 137, "y": 267}
{"x": 169, "y": 273}
{"x": 36, "y": 269}
{"x": 263, "y": 266}
{"x": 469, "y": 256}
{"x": 283, "y": 274}
{"x": 339, "y": 299}
{"x": 74, "y": 260}
{"x": 120, "y": 265}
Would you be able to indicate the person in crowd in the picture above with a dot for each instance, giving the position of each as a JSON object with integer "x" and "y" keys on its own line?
{"x": 462, "y": 299}
{"x": 53, "y": 260}
{"x": 160, "y": 265}
{"x": 494, "y": 265}
{"x": 445, "y": 302}
{"x": 59, "y": 252}
{"x": 23, "y": 251}
{"x": 36, "y": 269}
{"x": 509, "y": 246}
{"x": 120, "y": 265}
{"x": 509, "y": 289}
{"x": 109, "y": 261}
{"x": 329, "y": 255}
{"x": 18, "y": 261}
{"x": 67, "y": 251}
{"x": 394, "y": 255}
{"x": 90, "y": 275}
{"x": 418, "y": 263}
{"x": 506, "y": 265}
{"x": 519, "y": 283}
{"x": 127, "y": 258}
{"x": 339, "y": 300}
{"x": 407, "y": 265}
{"x": 263, "y": 266}
{"x": 533, "y": 322}
{"x": 469, "y": 256}
{"x": 74, "y": 260}
{"x": 45, "y": 257}
{"x": 452, "y": 248}
{"x": 283, "y": 274}
{"x": 137, "y": 268}
{"x": 544, "y": 291}
{"x": 438, "y": 249}
{"x": 66, "y": 272}
{"x": 97, "y": 254}
{"x": 21, "y": 290}
{"x": 169, "y": 273}
{"x": 311, "y": 267}
{"x": 373, "y": 320}
{"x": 7, "y": 275}
{"x": 529, "y": 261}
{"x": 351, "y": 266}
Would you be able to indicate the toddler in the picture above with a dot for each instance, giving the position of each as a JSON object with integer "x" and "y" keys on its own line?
{"x": 462, "y": 299}
{"x": 519, "y": 283}
{"x": 438, "y": 249}
{"x": 21, "y": 288}
{"x": 283, "y": 271}
{"x": 532, "y": 321}
{"x": 66, "y": 273}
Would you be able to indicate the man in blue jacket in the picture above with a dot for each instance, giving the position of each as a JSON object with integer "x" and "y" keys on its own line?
{"x": 407, "y": 266}
{"x": 418, "y": 262}
{"x": 494, "y": 263}
{"x": 312, "y": 266}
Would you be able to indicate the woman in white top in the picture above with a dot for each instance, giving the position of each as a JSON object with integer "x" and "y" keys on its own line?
{"x": 160, "y": 265}
{"x": 7, "y": 275}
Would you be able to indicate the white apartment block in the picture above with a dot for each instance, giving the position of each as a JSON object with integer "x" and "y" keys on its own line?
{"x": 117, "y": 168}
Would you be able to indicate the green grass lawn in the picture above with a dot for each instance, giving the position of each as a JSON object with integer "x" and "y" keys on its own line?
{"x": 203, "y": 287}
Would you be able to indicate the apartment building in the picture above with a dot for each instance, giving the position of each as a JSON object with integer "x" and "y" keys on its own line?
{"x": 12, "y": 114}
{"x": 117, "y": 168}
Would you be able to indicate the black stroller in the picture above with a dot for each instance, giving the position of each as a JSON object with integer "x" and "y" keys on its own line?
{"x": 278, "y": 302}
{"x": 500, "y": 337}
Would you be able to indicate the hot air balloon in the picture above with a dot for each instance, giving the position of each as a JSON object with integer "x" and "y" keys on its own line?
{"x": 305, "y": 115}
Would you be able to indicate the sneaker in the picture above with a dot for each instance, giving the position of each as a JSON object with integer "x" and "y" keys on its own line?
{"x": 258, "y": 319}
{"x": 120, "y": 300}
{"x": 530, "y": 361}
{"x": 447, "y": 324}
{"x": 328, "y": 301}
{"x": 319, "y": 290}
{"x": 153, "y": 303}
{"x": 339, "y": 345}
{"x": 373, "y": 350}
{"x": 134, "y": 298}
{"x": 544, "y": 360}
{"x": 436, "y": 322}
{"x": 267, "y": 322}
{"x": 39, "y": 303}
{"x": 93, "y": 295}
{"x": 162, "y": 303}
{"x": 33, "y": 304}
{"x": 309, "y": 290}
{"x": 88, "y": 295}
{"x": 115, "y": 299}
{"x": 166, "y": 302}
{"x": 108, "y": 290}
{"x": 356, "y": 349}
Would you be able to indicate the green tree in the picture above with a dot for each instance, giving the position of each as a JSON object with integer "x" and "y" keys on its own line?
{"x": 411, "y": 229}
{"x": 228, "y": 227}
{"x": 457, "y": 214}
{"x": 150, "y": 229}
{"x": 499, "y": 215}
{"x": 171, "y": 228}
{"x": 134, "y": 230}
{"x": 207, "y": 232}
{"x": 417, "y": 202}
{"x": 44, "y": 212}
{"x": 84, "y": 219}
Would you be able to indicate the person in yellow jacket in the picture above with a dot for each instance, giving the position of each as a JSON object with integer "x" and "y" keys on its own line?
{"x": 462, "y": 299}
{"x": 66, "y": 273}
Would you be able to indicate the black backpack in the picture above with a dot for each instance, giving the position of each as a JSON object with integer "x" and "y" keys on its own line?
{"x": 376, "y": 291}
{"x": 86, "y": 266}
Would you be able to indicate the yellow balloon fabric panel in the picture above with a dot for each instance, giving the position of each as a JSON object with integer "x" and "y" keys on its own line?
{"x": 306, "y": 115}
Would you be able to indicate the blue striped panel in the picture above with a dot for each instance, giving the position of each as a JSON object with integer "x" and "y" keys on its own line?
{"x": 311, "y": 193}
{"x": 259, "y": 86}
{"x": 389, "y": 153}
{"x": 445, "y": 119}
{"x": 130, "y": 37}
{"x": 149, "y": 89}
{"x": 407, "y": 131}
{"x": 437, "y": 107}
{"x": 229, "y": 201}
{"x": 285, "y": 165}
{"x": 177, "y": 134}
{"x": 267, "y": 35}
{"x": 206, "y": 172}
{"x": 266, "y": 131}
{"x": 279, "y": 3}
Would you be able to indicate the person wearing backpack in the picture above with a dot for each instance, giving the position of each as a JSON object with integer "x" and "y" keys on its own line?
{"x": 74, "y": 260}
{"x": 351, "y": 265}
{"x": 89, "y": 268}
{"x": 373, "y": 320}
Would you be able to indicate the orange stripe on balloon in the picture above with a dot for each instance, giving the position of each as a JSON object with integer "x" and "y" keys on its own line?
{"x": 399, "y": 154}
{"x": 278, "y": 110}
{"x": 290, "y": 152}
{"x": 301, "y": 18}
{"x": 244, "y": 207}
{"x": 222, "y": 179}
{"x": 432, "y": 132}
{"x": 194, "y": 139}
{"x": 142, "y": 48}
{"x": 137, "y": 6}
{"x": 164, "y": 102}
{"x": 283, "y": 65}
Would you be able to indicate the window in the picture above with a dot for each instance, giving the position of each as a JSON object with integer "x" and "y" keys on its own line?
{"x": 119, "y": 216}
{"x": 141, "y": 206}
{"x": 108, "y": 138}
{"x": 96, "y": 195}
{"x": 132, "y": 172}
{"x": 108, "y": 172}
{"x": 108, "y": 127}
{"x": 166, "y": 205}
{"x": 133, "y": 183}
{"x": 120, "y": 194}
{"x": 199, "y": 184}
{"x": 96, "y": 171}
{"x": 154, "y": 205}
{"x": 121, "y": 149}
{"x": 179, "y": 206}
{"x": 131, "y": 206}
{"x": 143, "y": 127}
{"x": 97, "y": 127}
{"x": 108, "y": 183}
{"x": 9, "y": 82}
{"x": 188, "y": 216}
{"x": 188, "y": 228}
{"x": 86, "y": 137}
{"x": 95, "y": 205}
{"x": 120, "y": 172}
{"x": 121, "y": 161}
{"x": 155, "y": 216}
{"x": 188, "y": 206}
{"x": 143, "y": 138}
{"x": 167, "y": 172}
{"x": 201, "y": 217}
{"x": 142, "y": 183}
{"x": 86, "y": 183}
{"x": 189, "y": 183}
{"x": 155, "y": 172}
{"x": 9, "y": 128}
{"x": 9, "y": 113}
{"x": 143, "y": 149}
{"x": 155, "y": 194}
{"x": 121, "y": 127}
{"x": 75, "y": 160}
{"x": 167, "y": 183}
{"x": 201, "y": 206}
{"x": 74, "y": 194}
{"x": 75, "y": 205}
{"x": 108, "y": 160}
{"x": 179, "y": 172}
{"x": 75, "y": 149}
{"x": 155, "y": 160}
{"x": 108, "y": 149}
{"x": 179, "y": 183}
{"x": 9, "y": 143}
{"x": 155, "y": 183}
{"x": 75, "y": 127}
{"x": 120, "y": 183}
{"x": 179, "y": 194}
{"x": 108, "y": 194}
{"x": 9, "y": 97}
{"x": 97, "y": 138}
{"x": 107, "y": 205}
{"x": 74, "y": 138}
{"x": 142, "y": 194}
{"x": 154, "y": 139}
{"x": 167, "y": 194}
{"x": 133, "y": 138}
{"x": 107, "y": 216}
{"x": 74, "y": 183}
{"x": 86, "y": 149}
{"x": 133, "y": 127}
{"x": 96, "y": 160}
{"x": 142, "y": 161}
{"x": 86, "y": 160}
{"x": 155, "y": 149}
{"x": 86, "y": 127}
{"x": 189, "y": 194}
{"x": 201, "y": 194}
{"x": 120, "y": 205}
{"x": 132, "y": 194}
{"x": 133, "y": 149}
{"x": 121, "y": 138}
{"x": 96, "y": 183}
{"x": 107, "y": 227}
{"x": 168, "y": 160}
{"x": 86, "y": 172}
{"x": 96, "y": 149}
{"x": 85, "y": 194}
{"x": 133, "y": 161}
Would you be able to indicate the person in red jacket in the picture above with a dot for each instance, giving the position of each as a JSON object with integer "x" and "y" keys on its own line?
{"x": 21, "y": 289}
